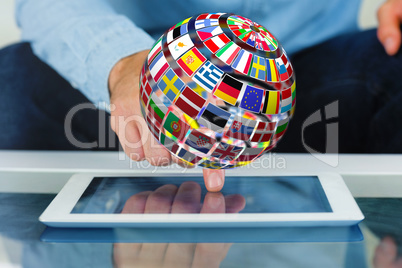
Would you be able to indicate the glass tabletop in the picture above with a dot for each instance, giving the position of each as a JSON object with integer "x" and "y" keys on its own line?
{"x": 25, "y": 242}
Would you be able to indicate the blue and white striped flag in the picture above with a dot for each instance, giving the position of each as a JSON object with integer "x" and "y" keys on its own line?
{"x": 206, "y": 23}
{"x": 208, "y": 76}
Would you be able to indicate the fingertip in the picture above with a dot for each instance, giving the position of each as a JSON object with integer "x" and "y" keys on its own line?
{"x": 214, "y": 179}
{"x": 213, "y": 203}
{"x": 391, "y": 45}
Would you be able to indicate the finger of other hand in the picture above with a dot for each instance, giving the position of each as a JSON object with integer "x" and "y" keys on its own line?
{"x": 389, "y": 21}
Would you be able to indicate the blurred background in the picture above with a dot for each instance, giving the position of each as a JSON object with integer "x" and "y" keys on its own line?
{"x": 9, "y": 32}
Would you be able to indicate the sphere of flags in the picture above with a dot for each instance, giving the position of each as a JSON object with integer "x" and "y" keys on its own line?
{"x": 217, "y": 90}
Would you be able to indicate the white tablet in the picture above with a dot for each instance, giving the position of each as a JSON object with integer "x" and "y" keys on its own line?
{"x": 90, "y": 200}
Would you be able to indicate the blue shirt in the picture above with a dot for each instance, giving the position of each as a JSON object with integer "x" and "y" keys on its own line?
{"x": 83, "y": 39}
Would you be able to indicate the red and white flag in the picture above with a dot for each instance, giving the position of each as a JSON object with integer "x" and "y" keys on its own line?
{"x": 190, "y": 102}
{"x": 228, "y": 53}
{"x": 249, "y": 154}
{"x": 145, "y": 90}
{"x": 216, "y": 42}
{"x": 263, "y": 132}
{"x": 209, "y": 16}
{"x": 155, "y": 50}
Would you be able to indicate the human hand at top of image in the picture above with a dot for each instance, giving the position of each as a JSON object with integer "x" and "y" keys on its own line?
{"x": 129, "y": 125}
{"x": 386, "y": 254}
{"x": 389, "y": 25}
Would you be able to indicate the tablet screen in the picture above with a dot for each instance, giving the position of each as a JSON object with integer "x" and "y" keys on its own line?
{"x": 271, "y": 194}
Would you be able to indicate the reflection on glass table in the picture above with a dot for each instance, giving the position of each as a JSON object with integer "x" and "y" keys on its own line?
{"x": 20, "y": 232}
{"x": 149, "y": 195}
{"x": 270, "y": 194}
{"x": 271, "y": 201}
{"x": 172, "y": 199}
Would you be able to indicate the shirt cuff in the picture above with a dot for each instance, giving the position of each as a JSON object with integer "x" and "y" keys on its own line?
{"x": 120, "y": 40}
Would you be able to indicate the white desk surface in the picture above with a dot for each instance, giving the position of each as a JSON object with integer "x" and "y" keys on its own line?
{"x": 47, "y": 171}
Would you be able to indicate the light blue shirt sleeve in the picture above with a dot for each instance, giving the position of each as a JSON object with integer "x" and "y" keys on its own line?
{"x": 81, "y": 40}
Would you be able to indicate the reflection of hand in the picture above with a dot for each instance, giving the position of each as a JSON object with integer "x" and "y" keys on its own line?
{"x": 171, "y": 199}
{"x": 129, "y": 125}
{"x": 389, "y": 23}
{"x": 386, "y": 254}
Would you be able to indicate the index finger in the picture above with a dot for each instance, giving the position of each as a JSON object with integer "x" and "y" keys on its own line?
{"x": 214, "y": 179}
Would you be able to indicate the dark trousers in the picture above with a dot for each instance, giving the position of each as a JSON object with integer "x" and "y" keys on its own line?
{"x": 348, "y": 82}
{"x": 354, "y": 71}
{"x": 34, "y": 103}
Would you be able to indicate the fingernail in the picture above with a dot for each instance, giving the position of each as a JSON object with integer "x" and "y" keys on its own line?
{"x": 214, "y": 201}
{"x": 389, "y": 45}
{"x": 214, "y": 181}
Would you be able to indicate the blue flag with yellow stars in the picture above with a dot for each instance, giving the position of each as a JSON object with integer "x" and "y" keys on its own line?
{"x": 252, "y": 99}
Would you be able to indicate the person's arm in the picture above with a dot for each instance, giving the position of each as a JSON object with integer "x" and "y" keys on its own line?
{"x": 129, "y": 125}
{"x": 98, "y": 50}
{"x": 81, "y": 40}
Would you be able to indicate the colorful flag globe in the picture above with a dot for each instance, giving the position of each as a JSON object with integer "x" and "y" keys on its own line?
{"x": 217, "y": 90}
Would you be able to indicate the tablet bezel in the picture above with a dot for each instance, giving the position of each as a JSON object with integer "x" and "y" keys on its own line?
{"x": 345, "y": 211}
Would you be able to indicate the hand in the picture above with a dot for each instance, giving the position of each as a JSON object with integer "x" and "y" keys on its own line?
{"x": 389, "y": 21}
{"x": 386, "y": 254}
{"x": 171, "y": 199}
{"x": 129, "y": 125}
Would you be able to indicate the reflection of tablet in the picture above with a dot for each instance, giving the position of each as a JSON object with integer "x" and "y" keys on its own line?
{"x": 97, "y": 201}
